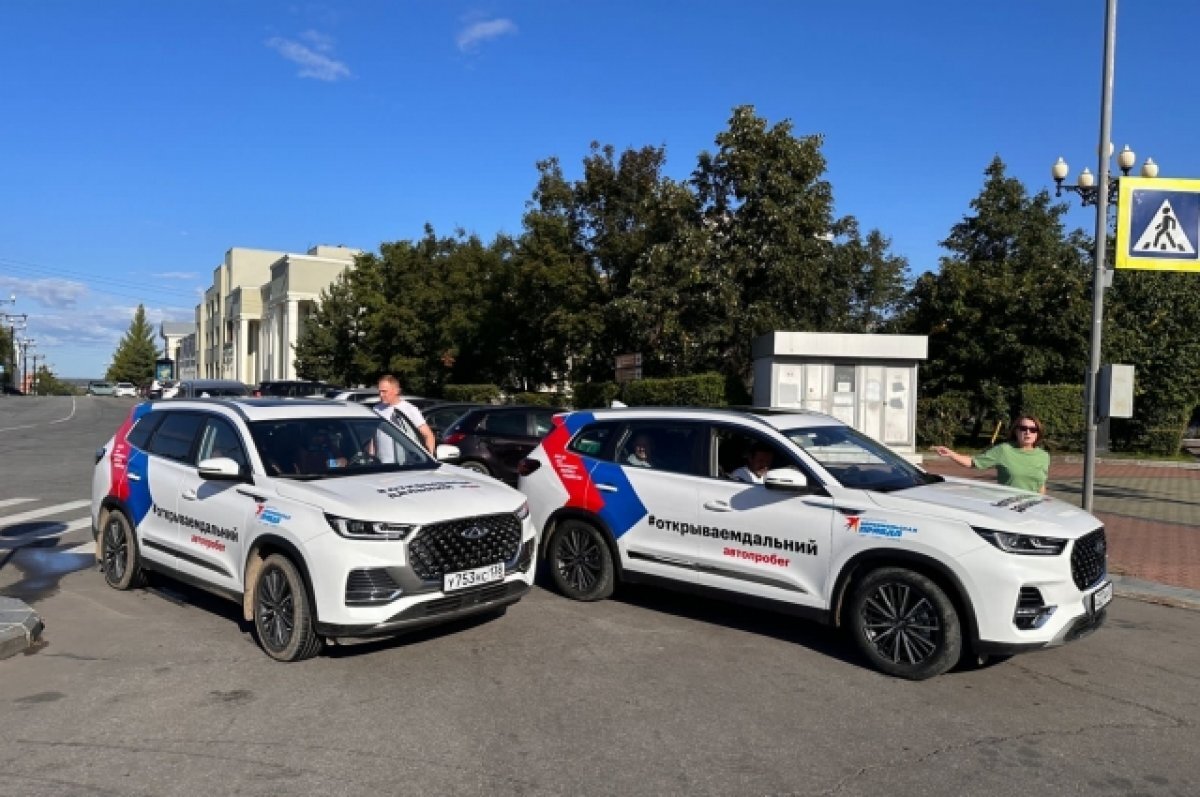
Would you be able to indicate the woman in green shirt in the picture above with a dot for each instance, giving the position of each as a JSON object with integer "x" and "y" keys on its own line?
{"x": 1021, "y": 462}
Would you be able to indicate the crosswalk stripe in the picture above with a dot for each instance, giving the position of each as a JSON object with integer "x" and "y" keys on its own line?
{"x": 21, "y": 517}
{"x": 13, "y": 501}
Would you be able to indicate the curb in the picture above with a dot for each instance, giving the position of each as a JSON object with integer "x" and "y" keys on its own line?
{"x": 20, "y": 627}
{"x": 1153, "y": 592}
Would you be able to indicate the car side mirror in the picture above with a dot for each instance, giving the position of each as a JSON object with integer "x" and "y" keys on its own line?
{"x": 788, "y": 479}
{"x": 448, "y": 453}
{"x": 220, "y": 469}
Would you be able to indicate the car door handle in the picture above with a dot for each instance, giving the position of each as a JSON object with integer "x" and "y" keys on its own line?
{"x": 718, "y": 506}
{"x": 606, "y": 488}
{"x": 133, "y": 477}
{"x": 189, "y": 495}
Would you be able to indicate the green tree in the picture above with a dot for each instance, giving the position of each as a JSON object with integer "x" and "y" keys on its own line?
{"x": 133, "y": 359}
{"x": 47, "y": 384}
{"x": 1011, "y": 302}
{"x": 777, "y": 255}
{"x": 1152, "y": 321}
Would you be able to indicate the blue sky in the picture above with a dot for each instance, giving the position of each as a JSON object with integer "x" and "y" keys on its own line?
{"x": 141, "y": 140}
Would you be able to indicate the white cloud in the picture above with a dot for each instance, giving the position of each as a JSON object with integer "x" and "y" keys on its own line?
{"x": 176, "y": 275}
{"x": 470, "y": 37}
{"x": 315, "y": 61}
{"x": 58, "y": 293}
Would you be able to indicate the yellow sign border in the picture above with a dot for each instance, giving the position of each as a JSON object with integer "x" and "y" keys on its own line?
{"x": 1127, "y": 186}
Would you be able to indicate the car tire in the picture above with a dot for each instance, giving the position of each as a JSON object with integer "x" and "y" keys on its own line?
{"x": 283, "y": 618}
{"x": 905, "y": 624}
{"x": 119, "y": 554}
{"x": 581, "y": 563}
{"x": 476, "y": 466}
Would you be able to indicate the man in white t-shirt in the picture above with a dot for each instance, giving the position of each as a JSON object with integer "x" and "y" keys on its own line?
{"x": 393, "y": 407}
{"x": 758, "y": 462}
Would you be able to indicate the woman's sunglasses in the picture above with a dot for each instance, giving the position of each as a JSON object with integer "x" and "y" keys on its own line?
{"x": 1031, "y": 429}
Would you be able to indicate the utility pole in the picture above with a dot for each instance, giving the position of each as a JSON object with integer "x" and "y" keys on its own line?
{"x": 10, "y": 356}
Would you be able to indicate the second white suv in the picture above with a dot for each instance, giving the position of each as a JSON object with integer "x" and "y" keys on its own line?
{"x": 837, "y": 527}
{"x": 322, "y": 519}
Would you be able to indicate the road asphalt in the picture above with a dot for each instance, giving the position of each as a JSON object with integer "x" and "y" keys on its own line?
{"x": 1151, "y": 513}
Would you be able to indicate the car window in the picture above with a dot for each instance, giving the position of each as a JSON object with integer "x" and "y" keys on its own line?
{"x": 175, "y": 436}
{"x": 856, "y": 460}
{"x": 314, "y": 448}
{"x": 732, "y": 447}
{"x": 220, "y": 439}
{"x": 143, "y": 428}
{"x": 542, "y": 422}
{"x": 510, "y": 423}
{"x": 593, "y": 440}
{"x": 663, "y": 445}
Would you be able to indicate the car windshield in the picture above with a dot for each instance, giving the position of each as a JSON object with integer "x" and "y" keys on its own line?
{"x": 857, "y": 461}
{"x": 318, "y": 448}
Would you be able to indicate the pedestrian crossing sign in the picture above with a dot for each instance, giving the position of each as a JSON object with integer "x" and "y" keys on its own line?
{"x": 1158, "y": 224}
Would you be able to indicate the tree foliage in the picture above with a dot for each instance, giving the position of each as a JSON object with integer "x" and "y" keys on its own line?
{"x": 1011, "y": 302}
{"x": 1152, "y": 321}
{"x": 133, "y": 359}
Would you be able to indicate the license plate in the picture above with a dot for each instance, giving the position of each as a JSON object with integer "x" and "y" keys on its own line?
{"x": 1102, "y": 597}
{"x": 473, "y": 578}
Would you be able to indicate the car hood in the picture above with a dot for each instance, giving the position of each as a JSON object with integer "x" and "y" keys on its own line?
{"x": 992, "y": 506}
{"x": 412, "y": 497}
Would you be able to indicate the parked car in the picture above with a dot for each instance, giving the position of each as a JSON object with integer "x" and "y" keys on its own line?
{"x": 100, "y": 389}
{"x": 205, "y": 388}
{"x": 359, "y": 395}
{"x": 294, "y": 388}
{"x": 125, "y": 390}
{"x": 921, "y": 569}
{"x": 321, "y": 520}
{"x": 493, "y": 440}
{"x": 441, "y": 416}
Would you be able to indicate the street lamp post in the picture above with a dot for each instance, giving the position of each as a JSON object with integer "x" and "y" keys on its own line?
{"x": 1100, "y": 192}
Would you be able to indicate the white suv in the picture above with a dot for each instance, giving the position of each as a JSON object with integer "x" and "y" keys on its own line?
{"x": 322, "y": 519}
{"x": 921, "y": 568}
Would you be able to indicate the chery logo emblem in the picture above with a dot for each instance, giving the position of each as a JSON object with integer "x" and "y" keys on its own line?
{"x": 475, "y": 532}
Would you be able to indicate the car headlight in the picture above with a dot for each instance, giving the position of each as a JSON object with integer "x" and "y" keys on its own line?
{"x": 368, "y": 529}
{"x": 1022, "y": 543}
{"x": 522, "y": 511}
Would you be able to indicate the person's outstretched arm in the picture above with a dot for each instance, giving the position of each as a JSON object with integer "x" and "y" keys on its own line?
{"x": 961, "y": 459}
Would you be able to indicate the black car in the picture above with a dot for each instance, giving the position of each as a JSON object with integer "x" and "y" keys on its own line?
{"x": 493, "y": 440}
{"x": 442, "y": 415}
{"x": 293, "y": 388}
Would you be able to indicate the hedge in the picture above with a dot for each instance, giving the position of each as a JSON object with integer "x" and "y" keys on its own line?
{"x": 1060, "y": 408}
{"x": 539, "y": 399}
{"x": 483, "y": 394}
{"x": 592, "y": 395}
{"x": 702, "y": 390}
{"x": 942, "y": 419}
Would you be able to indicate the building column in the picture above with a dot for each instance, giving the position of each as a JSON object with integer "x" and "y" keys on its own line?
{"x": 241, "y": 351}
{"x": 293, "y": 324}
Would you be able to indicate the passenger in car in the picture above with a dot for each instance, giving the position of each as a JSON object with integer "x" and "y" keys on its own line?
{"x": 758, "y": 462}
{"x": 640, "y": 452}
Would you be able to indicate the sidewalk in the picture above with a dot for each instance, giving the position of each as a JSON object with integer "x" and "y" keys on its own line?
{"x": 1151, "y": 514}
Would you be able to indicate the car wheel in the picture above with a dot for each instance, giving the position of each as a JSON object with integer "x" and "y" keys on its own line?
{"x": 477, "y": 466}
{"x": 581, "y": 563}
{"x": 905, "y": 624}
{"x": 282, "y": 617}
{"x": 118, "y": 553}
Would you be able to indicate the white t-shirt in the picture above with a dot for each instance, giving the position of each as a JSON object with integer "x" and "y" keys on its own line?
{"x": 744, "y": 474}
{"x": 406, "y": 416}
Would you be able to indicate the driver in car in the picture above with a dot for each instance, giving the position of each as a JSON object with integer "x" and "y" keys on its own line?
{"x": 758, "y": 462}
{"x": 321, "y": 452}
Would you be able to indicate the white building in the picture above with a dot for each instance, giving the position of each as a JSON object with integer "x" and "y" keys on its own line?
{"x": 256, "y": 308}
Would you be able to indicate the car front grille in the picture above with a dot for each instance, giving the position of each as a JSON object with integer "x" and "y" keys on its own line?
{"x": 464, "y": 544}
{"x": 1089, "y": 559}
{"x": 370, "y": 587}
